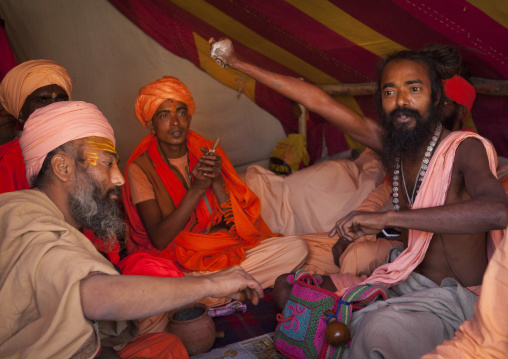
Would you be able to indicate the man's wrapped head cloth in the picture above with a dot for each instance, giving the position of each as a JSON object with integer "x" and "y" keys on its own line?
{"x": 460, "y": 91}
{"x": 155, "y": 93}
{"x": 61, "y": 122}
{"x": 29, "y": 76}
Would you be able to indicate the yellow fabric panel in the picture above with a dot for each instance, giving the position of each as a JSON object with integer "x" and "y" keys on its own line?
{"x": 348, "y": 27}
{"x": 496, "y": 9}
{"x": 228, "y": 77}
{"x": 235, "y": 30}
{"x": 468, "y": 122}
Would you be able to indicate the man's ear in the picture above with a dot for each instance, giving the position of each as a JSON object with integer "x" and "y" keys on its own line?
{"x": 63, "y": 166}
{"x": 439, "y": 97}
{"x": 461, "y": 111}
{"x": 149, "y": 125}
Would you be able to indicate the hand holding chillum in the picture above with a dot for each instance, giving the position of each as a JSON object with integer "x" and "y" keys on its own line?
{"x": 210, "y": 164}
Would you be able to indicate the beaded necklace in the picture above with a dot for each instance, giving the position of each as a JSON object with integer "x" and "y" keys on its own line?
{"x": 398, "y": 169}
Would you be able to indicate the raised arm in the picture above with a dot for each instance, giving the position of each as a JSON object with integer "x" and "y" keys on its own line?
{"x": 486, "y": 210}
{"x": 362, "y": 129}
{"x": 119, "y": 297}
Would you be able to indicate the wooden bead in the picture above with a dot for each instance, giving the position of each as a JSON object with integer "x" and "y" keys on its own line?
{"x": 337, "y": 333}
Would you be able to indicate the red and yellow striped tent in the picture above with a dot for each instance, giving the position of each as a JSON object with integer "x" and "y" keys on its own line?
{"x": 336, "y": 41}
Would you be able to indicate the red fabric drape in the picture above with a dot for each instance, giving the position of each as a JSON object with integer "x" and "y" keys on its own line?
{"x": 7, "y": 60}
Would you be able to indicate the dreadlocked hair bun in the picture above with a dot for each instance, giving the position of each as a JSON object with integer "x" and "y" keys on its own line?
{"x": 447, "y": 60}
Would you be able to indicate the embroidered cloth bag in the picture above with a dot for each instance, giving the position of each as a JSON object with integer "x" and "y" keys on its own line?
{"x": 302, "y": 325}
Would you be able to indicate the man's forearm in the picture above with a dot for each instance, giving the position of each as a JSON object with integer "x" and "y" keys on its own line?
{"x": 163, "y": 232}
{"x": 290, "y": 87}
{"x": 362, "y": 129}
{"x": 220, "y": 191}
{"x": 457, "y": 218}
{"x": 108, "y": 297}
{"x": 127, "y": 297}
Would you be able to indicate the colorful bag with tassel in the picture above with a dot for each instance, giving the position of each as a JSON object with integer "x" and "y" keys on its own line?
{"x": 314, "y": 321}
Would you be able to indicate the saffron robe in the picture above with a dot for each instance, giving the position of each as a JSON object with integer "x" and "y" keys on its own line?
{"x": 432, "y": 193}
{"x": 193, "y": 248}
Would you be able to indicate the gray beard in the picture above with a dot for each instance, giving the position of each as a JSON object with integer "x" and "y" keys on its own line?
{"x": 101, "y": 215}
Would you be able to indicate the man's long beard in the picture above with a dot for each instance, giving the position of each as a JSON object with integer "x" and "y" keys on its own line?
{"x": 101, "y": 215}
{"x": 399, "y": 140}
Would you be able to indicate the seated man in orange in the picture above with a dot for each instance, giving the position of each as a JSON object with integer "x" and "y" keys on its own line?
{"x": 24, "y": 89}
{"x": 186, "y": 202}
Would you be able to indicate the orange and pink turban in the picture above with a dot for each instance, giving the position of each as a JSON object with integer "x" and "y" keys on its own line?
{"x": 459, "y": 90}
{"x": 52, "y": 126}
{"x": 155, "y": 93}
{"x": 29, "y": 76}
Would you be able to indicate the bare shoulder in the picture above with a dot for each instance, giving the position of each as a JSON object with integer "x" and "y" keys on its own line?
{"x": 471, "y": 155}
{"x": 472, "y": 164}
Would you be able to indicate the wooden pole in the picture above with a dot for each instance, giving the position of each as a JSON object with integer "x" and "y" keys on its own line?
{"x": 482, "y": 86}
{"x": 302, "y": 121}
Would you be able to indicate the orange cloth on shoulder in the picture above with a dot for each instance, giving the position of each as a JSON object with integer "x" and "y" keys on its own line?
{"x": 192, "y": 249}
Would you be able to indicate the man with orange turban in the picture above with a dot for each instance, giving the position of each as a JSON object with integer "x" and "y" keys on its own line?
{"x": 184, "y": 200}
{"x": 25, "y": 88}
{"x": 59, "y": 292}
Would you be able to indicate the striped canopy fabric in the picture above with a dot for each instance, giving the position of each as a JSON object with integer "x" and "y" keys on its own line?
{"x": 336, "y": 41}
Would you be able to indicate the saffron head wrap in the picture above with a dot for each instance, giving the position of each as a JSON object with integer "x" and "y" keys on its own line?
{"x": 155, "y": 93}
{"x": 460, "y": 91}
{"x": 52, "y": 126}
{"x": 29, "y": 76}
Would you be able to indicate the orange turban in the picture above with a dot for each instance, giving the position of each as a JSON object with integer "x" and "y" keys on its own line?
{"x": 459, "y": 90}
{"x": 29, "y": 76}
{"x": 52, "y": 126}
{"x": 155, "y": 93}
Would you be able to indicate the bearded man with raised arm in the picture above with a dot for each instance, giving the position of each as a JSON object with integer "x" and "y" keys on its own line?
{"x": 448, "y": 203}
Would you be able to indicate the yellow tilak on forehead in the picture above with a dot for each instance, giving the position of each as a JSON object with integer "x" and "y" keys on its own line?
{"x": 101, "y": 144}
{"x": 91, "y": 158}
{"x": 98, "y": 144}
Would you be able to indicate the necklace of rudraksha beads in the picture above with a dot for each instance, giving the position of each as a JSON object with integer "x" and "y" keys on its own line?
{"x": 398, "y": 170}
